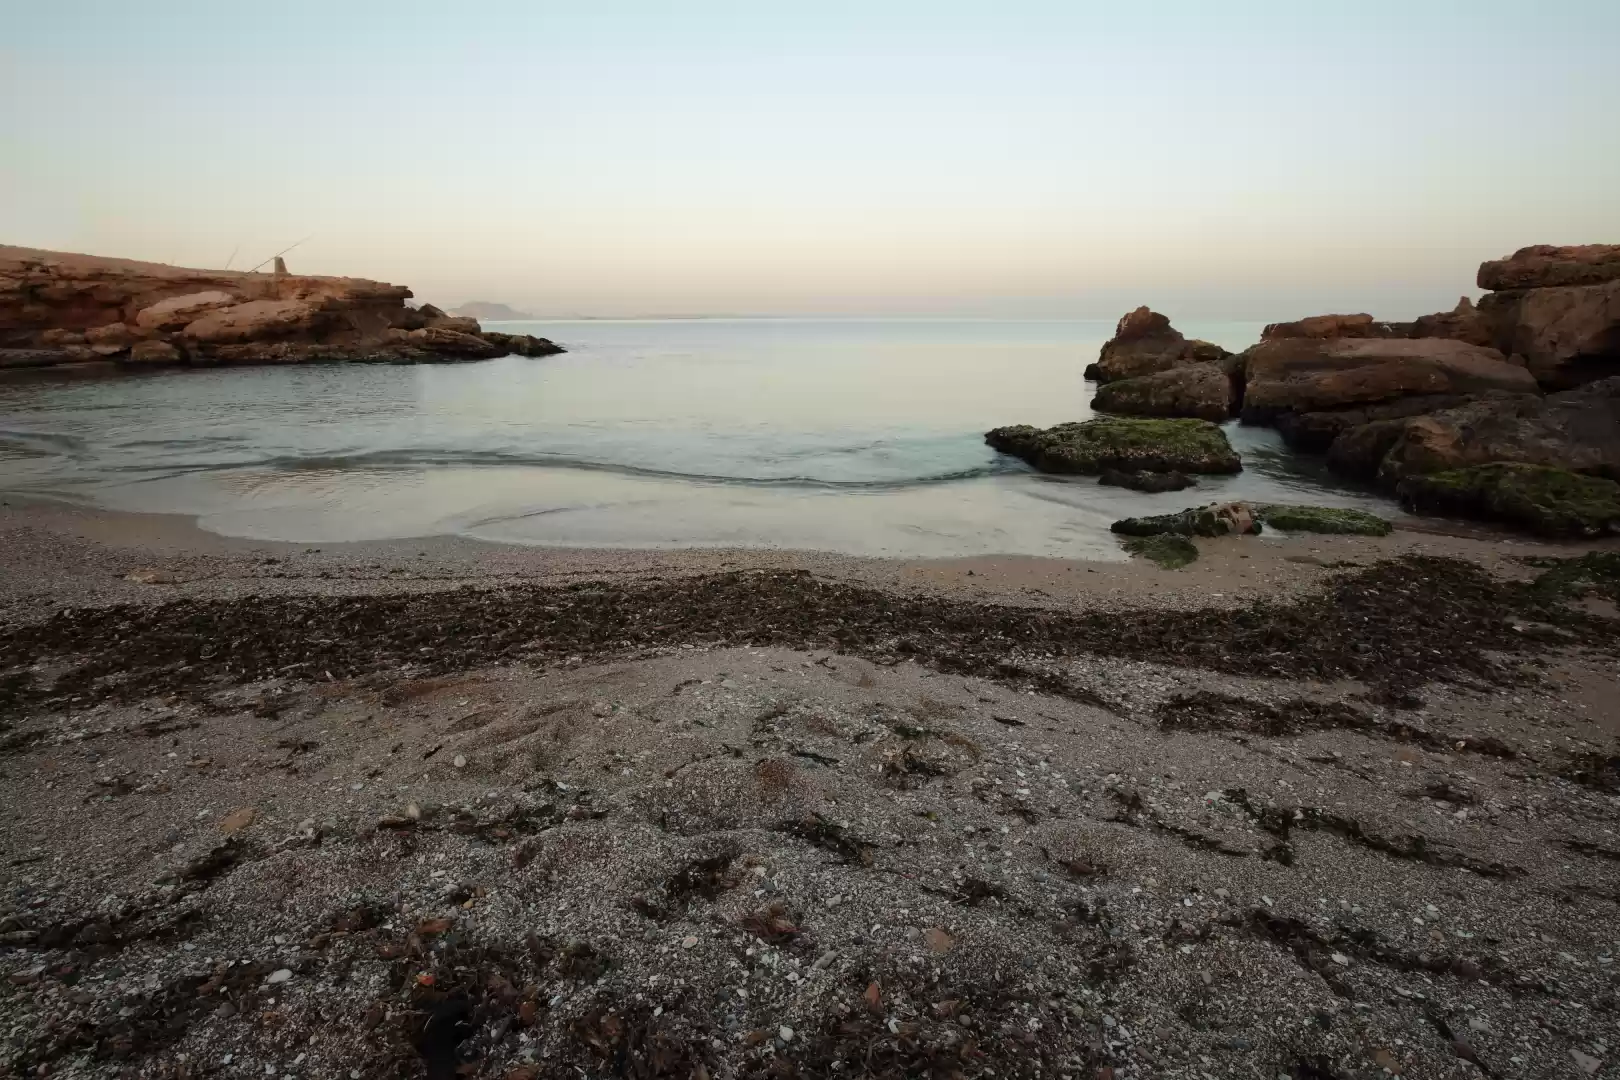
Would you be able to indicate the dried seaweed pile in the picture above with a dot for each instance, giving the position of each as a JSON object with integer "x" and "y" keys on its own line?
{"x": 1397, "y": 624}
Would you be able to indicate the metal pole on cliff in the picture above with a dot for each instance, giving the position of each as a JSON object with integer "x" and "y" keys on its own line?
{"x": 281, "y": 267}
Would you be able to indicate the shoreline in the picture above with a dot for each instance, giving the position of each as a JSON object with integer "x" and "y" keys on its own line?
{"x": 67, "y": 549}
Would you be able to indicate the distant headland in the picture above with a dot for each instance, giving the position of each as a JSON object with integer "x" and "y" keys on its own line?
{"x": 489, "y": 309}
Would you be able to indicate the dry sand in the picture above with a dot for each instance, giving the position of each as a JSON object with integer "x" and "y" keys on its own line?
{"x": 943, "y": 850}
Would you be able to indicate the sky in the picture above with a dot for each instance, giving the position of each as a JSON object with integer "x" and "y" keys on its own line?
{"x": 1212, "y": 158}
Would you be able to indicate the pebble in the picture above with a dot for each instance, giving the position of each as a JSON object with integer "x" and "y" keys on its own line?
{"x": 280, "y": 975}
{"x": 785, "y": 1033}
{"x": 460, "y": 762}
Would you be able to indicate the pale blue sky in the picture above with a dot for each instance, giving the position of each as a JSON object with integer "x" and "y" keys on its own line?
{"x": 1212, "y": 158}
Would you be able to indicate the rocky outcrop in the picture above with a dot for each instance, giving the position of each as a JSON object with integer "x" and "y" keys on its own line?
{"x": 1559, "y": 308}
{"x": 1188, "y": 446}
{"x": 522, "y": 344}
{"x": 1145, "y": 343}
{"x": 1305, "y": 375}
{"x": 1575, "y": 430}
{"x": 1316, "y": 432}
{"x": 58, "y": 308}
{"x": 1547, "y": 501}
{"x": 1201, "y": 391}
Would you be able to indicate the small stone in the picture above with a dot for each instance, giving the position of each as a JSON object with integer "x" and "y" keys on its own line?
{"x": 149, "y": 575}
{"x": 460, "y": 761}
{"x": 1341, "y": 959}
{"x": 237, "y": 820}
{"x": 785, "y": 1033}
{"x": 938, "y": 940}
{"x": 280, "y": 975}
{"x": 824, "y": 961}
{"x": 1588, "y": 1064}
{"x": 413, "y": 812}
{"x": 602, "y": 710}
{"x": 225, "y": 1011}
{"x": 689, "y": 941}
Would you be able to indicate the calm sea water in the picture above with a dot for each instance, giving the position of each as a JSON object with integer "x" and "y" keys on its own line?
{"x": 860, "y": 436}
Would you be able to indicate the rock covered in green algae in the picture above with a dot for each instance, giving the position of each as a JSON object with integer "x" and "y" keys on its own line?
{"x": 1217, "y": 519}
{"x": 1544, "y": 500}
{"x": 1191, "y": 446}
{"x": 1321, "y": 519}
{"x": 1144, "y": 480}
{"x": 1170, "y": 552}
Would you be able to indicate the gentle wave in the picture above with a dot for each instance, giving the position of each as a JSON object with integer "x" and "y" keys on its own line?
{"x": 413, "y": 458}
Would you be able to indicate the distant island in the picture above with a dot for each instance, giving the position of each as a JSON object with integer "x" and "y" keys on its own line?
{"x": 486, "y": 309}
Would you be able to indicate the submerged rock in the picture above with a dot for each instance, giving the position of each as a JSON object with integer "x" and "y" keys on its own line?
{"x": 1202, "y": 391}
{"x": 1145, "y": 343}
{"x": 1217, "y": 519}
{"x": 1146, "y": 480}
{"x": 1192, "y": 446}
{"x": 1169, "y": 551}
{"x": 1550, "y": 502}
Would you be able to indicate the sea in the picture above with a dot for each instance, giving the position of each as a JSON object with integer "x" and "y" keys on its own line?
{"x": 859, "y": 436}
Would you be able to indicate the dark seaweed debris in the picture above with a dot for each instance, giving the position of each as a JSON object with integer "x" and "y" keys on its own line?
{"x": 1398, "y": 624}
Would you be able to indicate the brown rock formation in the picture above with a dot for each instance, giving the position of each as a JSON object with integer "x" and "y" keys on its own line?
{"x": 1145, "y": 343}
{"x": 1545, "y": 266}
{"x": 1577, "y": 430}
{"x": 1201, "y": 391}
{"x": 1333, "y": 326}
{"x": 1303, "y": 375}
{"x": 1559, "y": 308}
{"x": 60, "y": 308}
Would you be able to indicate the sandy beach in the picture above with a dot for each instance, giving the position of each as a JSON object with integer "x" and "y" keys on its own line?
{"x": 1315, "y": 806}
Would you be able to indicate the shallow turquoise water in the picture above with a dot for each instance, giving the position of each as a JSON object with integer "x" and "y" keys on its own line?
{"x": 862, "y": 436}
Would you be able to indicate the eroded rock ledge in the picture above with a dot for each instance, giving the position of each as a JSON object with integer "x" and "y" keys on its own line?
{"x": 58, "y": 308}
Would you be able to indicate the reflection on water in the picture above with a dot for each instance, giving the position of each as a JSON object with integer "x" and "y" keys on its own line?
{"x": 862, "y": 436}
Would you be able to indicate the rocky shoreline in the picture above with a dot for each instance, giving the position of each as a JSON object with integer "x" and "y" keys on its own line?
{"x": 1509, "y": 411}
{"x": 79, "y": 312}
{"x": 390, "y": 811}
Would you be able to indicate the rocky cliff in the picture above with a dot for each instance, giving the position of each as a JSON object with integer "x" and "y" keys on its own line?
{"x": 58, "y": 308}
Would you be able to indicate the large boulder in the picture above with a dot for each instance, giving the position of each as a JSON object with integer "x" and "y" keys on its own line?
{"x": 154, "y": 352}
{"x": 1202, "y": 391}
{"x": 1315, "y": 432}
{"x": 1316, "y": 374}
{"x": 1567, "y": 335}
{"x": 1558, "y": 308}
{"x": 1544, "y": 266}
{"x": 1144, "y": 343}
{"x": 1547, "y": 501}
{"x": 1216, "y": 519}
{"x": 1189, "y": 446}
{"x": 1577, "y": 430}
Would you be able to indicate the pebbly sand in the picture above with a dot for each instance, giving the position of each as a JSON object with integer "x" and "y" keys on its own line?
{"x": 1311, "y": 807}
